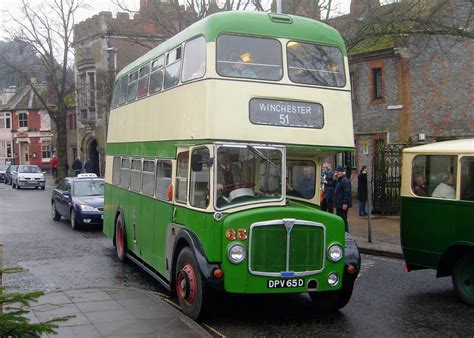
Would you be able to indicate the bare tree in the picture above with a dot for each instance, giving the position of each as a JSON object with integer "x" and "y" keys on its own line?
{"x": 47, "y": 28}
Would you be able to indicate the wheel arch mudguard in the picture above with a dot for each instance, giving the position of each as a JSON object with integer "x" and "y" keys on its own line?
{"x": 187, "y": 238}
{"x": 450, "y": 256}
{"x": 117, "y": 213}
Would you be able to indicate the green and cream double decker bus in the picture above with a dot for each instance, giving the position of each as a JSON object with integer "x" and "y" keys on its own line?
{"x": 214, "y": 150}
{"x": 437, "y": 218}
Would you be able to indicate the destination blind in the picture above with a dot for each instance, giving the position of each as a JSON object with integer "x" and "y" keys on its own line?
{"x": 286, "y": 113}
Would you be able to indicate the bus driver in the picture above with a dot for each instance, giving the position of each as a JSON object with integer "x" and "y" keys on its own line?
{"x": 228, "y": 174}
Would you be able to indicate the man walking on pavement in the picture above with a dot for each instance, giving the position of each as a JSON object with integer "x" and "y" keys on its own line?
{"x": 77, "y": 166}
{"x": 342, "y": 198}
{"x": 327, "y": 184}
{"x": 54, "y": 166}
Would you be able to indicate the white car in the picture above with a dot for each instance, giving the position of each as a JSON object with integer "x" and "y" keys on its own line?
{"x": 28, "y": 176}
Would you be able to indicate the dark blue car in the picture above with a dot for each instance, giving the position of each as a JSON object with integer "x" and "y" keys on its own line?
{"x": 79, "y": 199}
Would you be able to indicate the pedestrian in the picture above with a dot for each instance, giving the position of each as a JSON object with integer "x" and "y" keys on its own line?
{"x": 77, "y": 166}
{"x": 342, "y": 198}
{"x": 362, "y": 190}
{"x": 54, "y": 166}
{"x": 66, "y": 168}
{"x": 89, "y": 166}
{"x": 327, "y": 184}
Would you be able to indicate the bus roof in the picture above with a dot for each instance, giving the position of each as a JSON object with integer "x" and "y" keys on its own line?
{"x": 249, "y": 23}
{"x": 454, "y": 146}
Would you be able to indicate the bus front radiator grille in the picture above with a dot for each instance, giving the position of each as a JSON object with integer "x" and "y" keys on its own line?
{"x": 286, "y": 246}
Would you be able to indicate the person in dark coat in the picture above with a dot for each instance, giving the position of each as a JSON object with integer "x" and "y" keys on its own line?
{"x": 362, "y": 190}
{"x": 89, "y": 166}
{"x": 77, "y": 166}
{"x": 342, "y": 198}
{"x": 327, "y": 184}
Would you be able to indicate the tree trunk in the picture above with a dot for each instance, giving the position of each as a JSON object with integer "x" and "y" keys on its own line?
{"x": 61, "y": 144}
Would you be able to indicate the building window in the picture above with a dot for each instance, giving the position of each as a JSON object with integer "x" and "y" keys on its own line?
{"x": 72, "y": 121}
{"x": 5, "y": 120}
{"x": 9, "y": 149}
{"x": 86, "y": 95}
{"x": 377, "y": 93}
{"x": 45, "y": 150}
{"x": 23, "y": 120}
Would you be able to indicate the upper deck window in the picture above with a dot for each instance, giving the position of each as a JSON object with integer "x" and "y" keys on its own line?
{"x": 132, "y": 86}
{"x": 194, "y": 64}
{"x": 249, "y": 57}
{"x": 173, "y": 67}
{"x": 143, "y": 77}
{"x": 156, "y": 78}
{"x": 315, "y": 64}
{"x": 120, "y": 92}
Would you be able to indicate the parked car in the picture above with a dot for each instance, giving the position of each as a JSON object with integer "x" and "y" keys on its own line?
{"x": 9, "y": 173}
{"x": 80, "y": 200}
{"x": 3, "y": 170}
{"x": 28, "y": 176}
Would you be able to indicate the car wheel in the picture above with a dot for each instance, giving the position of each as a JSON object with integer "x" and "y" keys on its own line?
{"x": 332, "y": 301}
{"x": 13, "y": 185}
{"x": 17, "y": 186}
{"x": 54, "y": 212}
{"x": 74, "y": 225}
{"x": 42, "y": 188}
{"x": 120, "y": 239}
{"x": 189, "y": 284}
{"x": 463, "y": 278}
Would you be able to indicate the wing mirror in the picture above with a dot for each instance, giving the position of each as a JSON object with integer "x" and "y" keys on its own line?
{"x": 197, "y": 161}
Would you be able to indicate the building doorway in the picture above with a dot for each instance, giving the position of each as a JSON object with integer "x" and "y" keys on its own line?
{"x": 93, "y": 155}
{"x": 24, "y": 153}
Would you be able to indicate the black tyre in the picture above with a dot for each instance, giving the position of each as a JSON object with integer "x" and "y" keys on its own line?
{"x": 120, "y": 239}
{"x": 17, "y": 186}
{"x": 73, "y": 220}
{"x": 42, "y": 188}
{"x": 463, "y": 278}
{"x": 189, "y": 284}
{"x": 331, "y": 301}
{"x": 54, "y": 212}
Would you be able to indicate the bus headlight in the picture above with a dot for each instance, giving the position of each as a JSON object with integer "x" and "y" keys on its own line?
{"x": 333, "y": 279}
{"x": 335, "y": 252}
{"x": 236, "y": 253}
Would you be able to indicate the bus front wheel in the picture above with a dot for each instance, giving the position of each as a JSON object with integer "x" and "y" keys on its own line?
{"x": 463, "y": 278}
{"x": 331, "y": 301}
{"x": 190, "y": 287}
{"x": 120, "y": 241}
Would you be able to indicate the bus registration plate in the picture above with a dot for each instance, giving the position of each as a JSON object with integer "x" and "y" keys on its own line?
{"x": 285, "y": 283}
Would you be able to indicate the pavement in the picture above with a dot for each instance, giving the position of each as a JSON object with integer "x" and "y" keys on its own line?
{"x": 385, "y": 239}
{"x": 114, "y": 312}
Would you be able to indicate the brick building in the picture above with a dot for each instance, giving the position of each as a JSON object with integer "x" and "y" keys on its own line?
{"x": 103, "y": 45}
{"x": 29, "y": 128}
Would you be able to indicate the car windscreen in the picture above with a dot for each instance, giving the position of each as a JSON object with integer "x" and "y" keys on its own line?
{"x": 32, "y": 169}
{"x": 3, "y": 167}
{"x": 89, "y": 188}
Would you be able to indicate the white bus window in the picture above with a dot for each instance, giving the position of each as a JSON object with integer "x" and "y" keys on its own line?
{"x": 136, "y": 174}
{"x": 163, "y": 178}
{"x": 143, "y": 79}
{"x": 315, "y": 64}
{"x": 467, "y": 178}
{"x": 122, "y": 90}
{"x": 125, "y": 173}
{"x": 173, "y": 67}
{"x": 132, "y": 86}
{"x": 434, "y": 176}
{"x": 182, "y": 176}
{"x": 249, "y": 57}
{"x": 194, "y": 63}
{"x": 199, "y": 185}
{"x": 116, "y": 171}
{"x": 148, "y": 178}
{"x": 115, "y": 95}
{"x": 156, "y": 77}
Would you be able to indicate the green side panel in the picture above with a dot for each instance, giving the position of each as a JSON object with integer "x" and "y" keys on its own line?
{"x": 248, "y": 23}
{"x": 268, "y": 252}
{"x": 163, "y": 211}
{"x": 109, "y": 214}
{"x": 307, "y": 248}
{"x": 428, "y": 227}
{"x": 269, "y": 249}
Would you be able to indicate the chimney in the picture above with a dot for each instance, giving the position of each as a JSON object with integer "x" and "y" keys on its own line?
{"x": 51, "y": 98}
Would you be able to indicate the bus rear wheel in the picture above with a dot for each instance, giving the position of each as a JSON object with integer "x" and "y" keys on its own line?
{"x": 120, "y": 240}
{"x": 190, "y": 287}
{"x": 463, "y": 278}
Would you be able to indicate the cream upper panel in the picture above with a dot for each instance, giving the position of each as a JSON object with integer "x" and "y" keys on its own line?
{"x": 219, "y": 109}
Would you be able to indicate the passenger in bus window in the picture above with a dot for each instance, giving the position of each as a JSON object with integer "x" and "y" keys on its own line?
{"x": 419, "y": 185}
{"x": 239, "y": 69}
{"x": 446, "y": 188}
{"x": 305, "y": 185}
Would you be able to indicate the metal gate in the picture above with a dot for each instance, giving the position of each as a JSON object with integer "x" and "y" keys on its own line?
{"x": 386, "y": 179}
